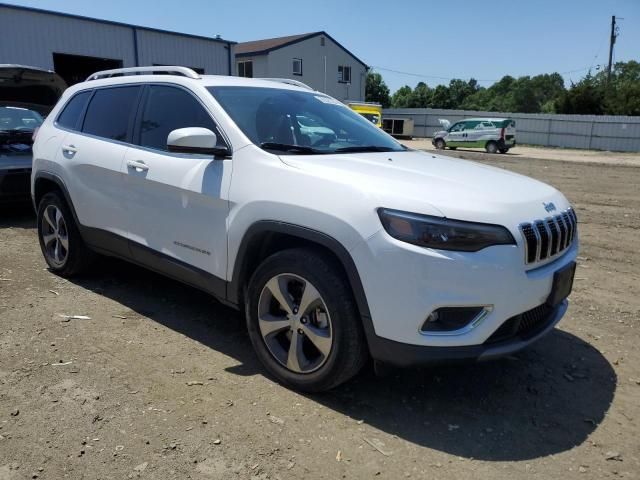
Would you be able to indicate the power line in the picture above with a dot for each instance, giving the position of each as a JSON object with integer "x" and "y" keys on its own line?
{"x": 421, "y": 75}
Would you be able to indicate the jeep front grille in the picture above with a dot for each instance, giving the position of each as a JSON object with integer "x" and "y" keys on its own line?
{"x": 547, "y": 238}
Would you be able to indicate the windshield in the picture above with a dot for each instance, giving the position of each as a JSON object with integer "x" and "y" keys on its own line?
{"x": 19, "y": 119}
{"x": 300, "y": 122}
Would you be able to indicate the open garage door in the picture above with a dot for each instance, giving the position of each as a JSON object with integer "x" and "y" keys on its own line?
{"x": 76, "y": 68}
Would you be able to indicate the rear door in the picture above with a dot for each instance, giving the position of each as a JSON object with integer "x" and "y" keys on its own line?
{"x": 177, "y": 203}
{"x": 93, "y": 158}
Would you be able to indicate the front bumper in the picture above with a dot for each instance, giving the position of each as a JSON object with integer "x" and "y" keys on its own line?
{"x": 407, "y": 355}
{"x": 15, "y": 185}
{"x": 404, "y": 283}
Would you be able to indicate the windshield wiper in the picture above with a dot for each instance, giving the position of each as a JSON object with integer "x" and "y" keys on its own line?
{"x": 283, "y": 147}
{"x": 365, "y": 148}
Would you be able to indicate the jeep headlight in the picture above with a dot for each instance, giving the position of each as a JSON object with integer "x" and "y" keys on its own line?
{"x": 443, "y": 233}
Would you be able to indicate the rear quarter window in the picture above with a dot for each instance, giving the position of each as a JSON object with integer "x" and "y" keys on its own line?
{"x": 109, "y": 112}
{"x": 70, "y": 115}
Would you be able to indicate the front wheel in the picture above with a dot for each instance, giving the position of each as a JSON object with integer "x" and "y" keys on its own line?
{"x": 303, "y": 321}
{"x": 439, "y": 144}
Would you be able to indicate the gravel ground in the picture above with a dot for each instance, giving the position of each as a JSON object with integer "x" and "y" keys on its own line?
{"x": 161, "y": 381}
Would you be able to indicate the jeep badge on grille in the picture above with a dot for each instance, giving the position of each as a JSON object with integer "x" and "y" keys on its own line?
{"x": 549, "y": 207}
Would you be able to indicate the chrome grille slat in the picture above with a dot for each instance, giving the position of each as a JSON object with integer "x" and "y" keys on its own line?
{"x": 544, "y": 239}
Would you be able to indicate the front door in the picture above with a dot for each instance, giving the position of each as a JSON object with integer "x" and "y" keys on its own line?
{"x": 456, "y": 135}
{"x": 177, "y": 203}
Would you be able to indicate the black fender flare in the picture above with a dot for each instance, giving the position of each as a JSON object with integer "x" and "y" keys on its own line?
{"x": 272, "y": 226}
{"x": 52, "y": 177}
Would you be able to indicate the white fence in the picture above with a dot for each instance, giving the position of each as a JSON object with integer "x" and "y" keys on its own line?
{"x": 598, "y": 132}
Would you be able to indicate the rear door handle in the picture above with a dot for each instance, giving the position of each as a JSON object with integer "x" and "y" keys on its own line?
{"x": 70, "y": 149}
{"x": 138, "y": 165}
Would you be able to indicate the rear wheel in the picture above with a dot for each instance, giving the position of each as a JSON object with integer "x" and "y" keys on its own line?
{"x": 439, "y": 144}
{"x": 62, "y": 246}
{"x": 491, "y": 147}
{"x": 303, "y": 321}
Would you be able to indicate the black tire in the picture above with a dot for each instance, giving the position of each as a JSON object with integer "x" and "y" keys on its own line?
{"x": 439, "y": 144}
{"x": 504, "y": 150}
{"x": 78, "y": 257}
{"x": 491, "y": 147}
{"x": 348, "y": 351}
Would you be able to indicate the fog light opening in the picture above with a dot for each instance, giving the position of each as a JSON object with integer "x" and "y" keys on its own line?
{"x": 451, "y": 319}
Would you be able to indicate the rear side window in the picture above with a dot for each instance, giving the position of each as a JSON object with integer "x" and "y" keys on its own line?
{"x": 167, "y": 109}
{"x": 70, "y": 116}
{"x": 109, "y": 112}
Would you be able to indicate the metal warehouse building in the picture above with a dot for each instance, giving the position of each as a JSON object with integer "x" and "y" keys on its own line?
{"x": 76, "y": 46}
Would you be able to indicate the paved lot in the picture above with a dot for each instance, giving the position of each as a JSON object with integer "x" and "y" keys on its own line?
{"x": 161, "y": 381}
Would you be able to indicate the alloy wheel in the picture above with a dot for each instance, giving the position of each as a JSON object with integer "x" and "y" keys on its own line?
{"x": 295, "y": 323}
{"x": 55, "y": 236}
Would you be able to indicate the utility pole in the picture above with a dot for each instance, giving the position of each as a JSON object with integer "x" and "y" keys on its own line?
{"x": 612, "y": 42}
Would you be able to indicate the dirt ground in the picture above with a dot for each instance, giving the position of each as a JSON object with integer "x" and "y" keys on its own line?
{"x": 161, "y": 381}
{"x": 543, "y": 153}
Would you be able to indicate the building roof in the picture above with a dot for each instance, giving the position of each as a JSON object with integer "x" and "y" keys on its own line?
{"x": 110, "y": 22}
{"x": 262, "y": 47}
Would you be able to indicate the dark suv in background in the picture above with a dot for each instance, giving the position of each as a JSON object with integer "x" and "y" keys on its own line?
{"x": 27, "y": 95}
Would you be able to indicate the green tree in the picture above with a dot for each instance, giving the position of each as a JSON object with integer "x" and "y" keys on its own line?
{"x": 441, "y": 98}
{"x": 585, "y": 98}
{"x": 421, "y": 96}
{"x": 402, "y": 97}
{"x": 622, "y": 94}
{"x": 376, "y": 90}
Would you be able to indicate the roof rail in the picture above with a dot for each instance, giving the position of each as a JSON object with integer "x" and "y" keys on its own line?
{"x": 288, "y": 81}
{"x": 168, "y": 70}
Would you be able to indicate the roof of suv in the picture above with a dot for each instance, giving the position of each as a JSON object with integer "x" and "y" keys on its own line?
{"x": 203, "y": 80}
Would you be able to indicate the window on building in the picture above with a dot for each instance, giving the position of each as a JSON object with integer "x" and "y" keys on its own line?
{"x": 297, "y": 66}
{"x": 167, "y": 109}
{"x": 322, "y": 41}
{"x": 344, "y": 74}
{"x": 109, "y": 112}
{"x": 245, "y": 69}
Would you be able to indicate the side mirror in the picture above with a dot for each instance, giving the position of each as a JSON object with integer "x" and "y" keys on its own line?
{"x": 195, "y": 140}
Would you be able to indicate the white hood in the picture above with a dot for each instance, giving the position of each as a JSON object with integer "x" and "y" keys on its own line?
{"x": 430, "y": 184}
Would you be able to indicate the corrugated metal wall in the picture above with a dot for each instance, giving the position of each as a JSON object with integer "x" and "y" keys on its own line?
{"x": 31, "y": 37}
{"x": 599, "y": 132}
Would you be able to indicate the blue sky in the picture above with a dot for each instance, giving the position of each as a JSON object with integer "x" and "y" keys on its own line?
{"x": 438, "y": 39}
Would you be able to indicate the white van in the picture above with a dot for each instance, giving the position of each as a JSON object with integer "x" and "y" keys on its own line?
{"x": 492, "y": 134}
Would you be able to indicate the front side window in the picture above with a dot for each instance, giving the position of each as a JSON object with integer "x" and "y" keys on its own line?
{"x": 344, "y": 74}
{"x": 109, "y": 112}
{"x": 297, "y": 66}
{"x": 295, "y": 121}
{"x": 70, "y": 115}
{"x": 245, "y": 69}
{"x": 458, "y": 127}
{"x": 167, "y": 109}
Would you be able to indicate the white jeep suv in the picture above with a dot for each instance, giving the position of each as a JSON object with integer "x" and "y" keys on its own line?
{"x": 338, "y": 247}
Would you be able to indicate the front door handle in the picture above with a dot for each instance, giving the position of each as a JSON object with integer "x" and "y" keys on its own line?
{"x": 138, "y": 165}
